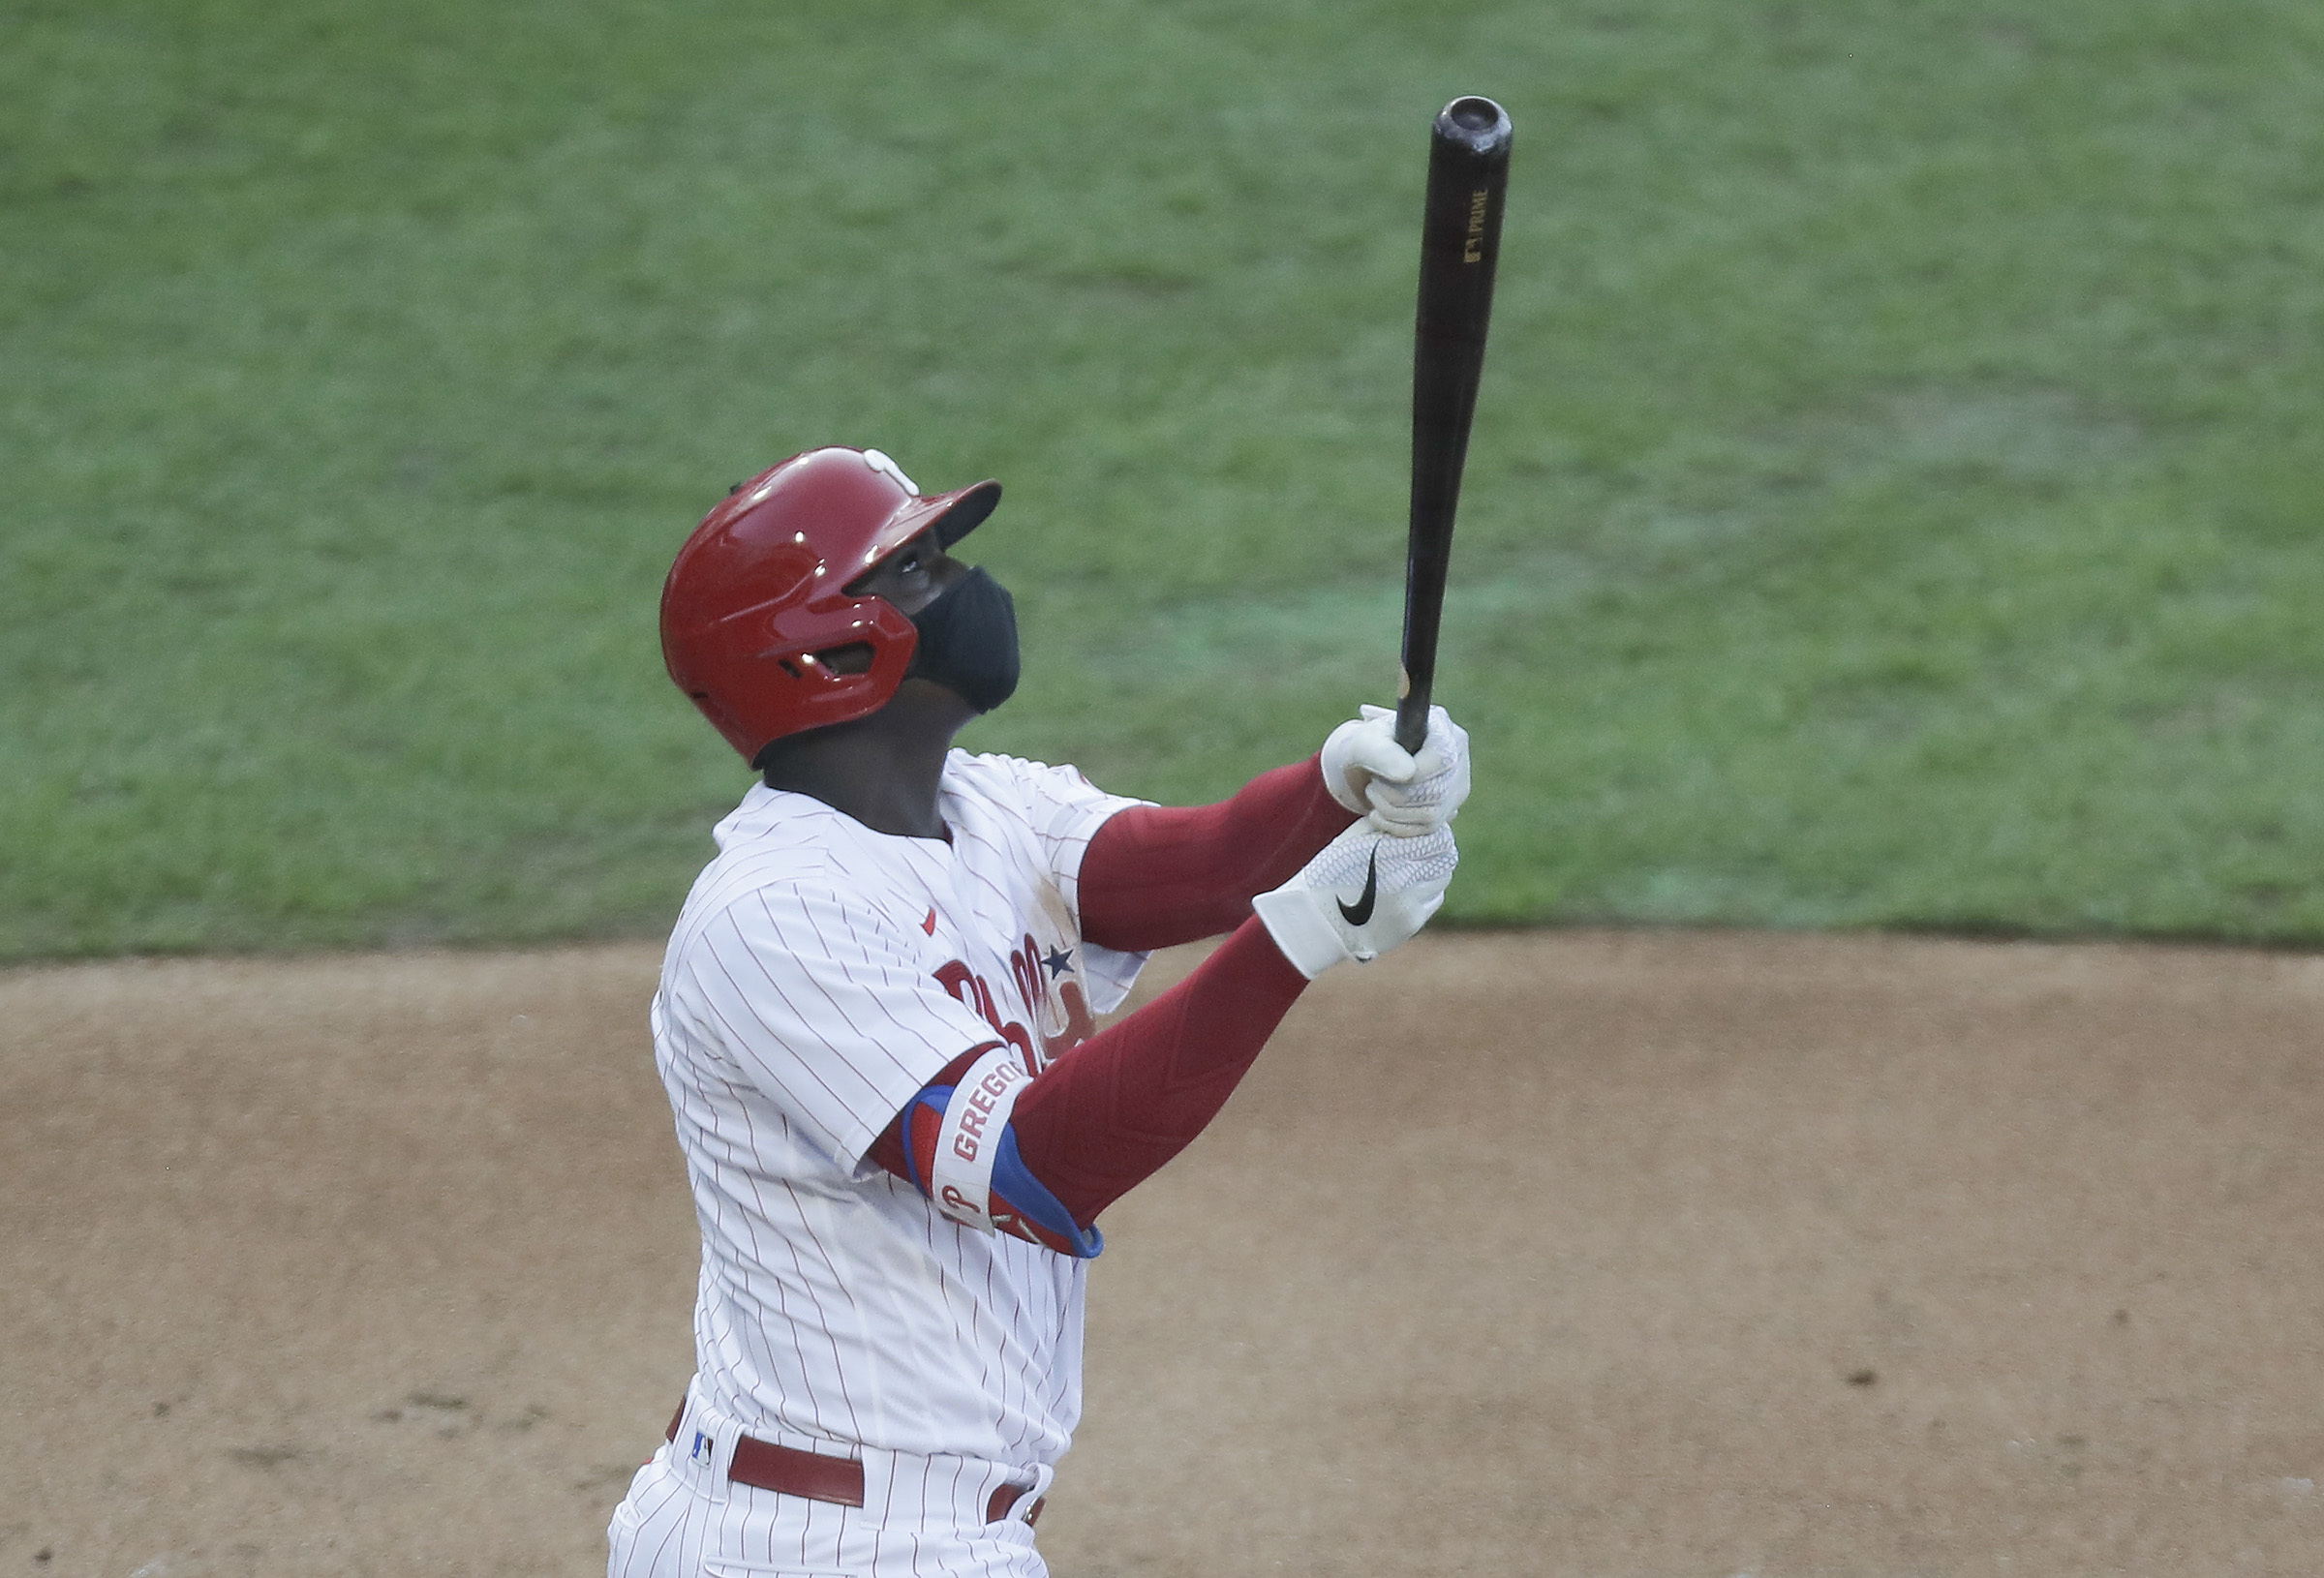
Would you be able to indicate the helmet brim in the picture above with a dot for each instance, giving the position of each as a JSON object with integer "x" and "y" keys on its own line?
{"x": 967, "y": 510}
{"x": 951, "y": 516}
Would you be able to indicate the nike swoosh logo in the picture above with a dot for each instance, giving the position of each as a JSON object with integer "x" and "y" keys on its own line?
{"x": 1358, "y": 913}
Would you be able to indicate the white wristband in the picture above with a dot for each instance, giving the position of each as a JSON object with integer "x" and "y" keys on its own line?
{"x": 968, "y": 1139}
{"x": 1293, "y": 917}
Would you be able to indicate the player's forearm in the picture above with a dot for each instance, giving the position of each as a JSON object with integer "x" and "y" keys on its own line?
{"x": 1110, "y": 1112}
{"x": 1156, "y": 876}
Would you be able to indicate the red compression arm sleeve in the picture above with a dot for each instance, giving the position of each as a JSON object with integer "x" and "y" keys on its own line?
{"x": 1112, "y": 1111}
{"x": 1154, "y": 876}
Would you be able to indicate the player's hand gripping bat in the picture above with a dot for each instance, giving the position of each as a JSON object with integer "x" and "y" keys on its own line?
{"x": 1461, "y": 239}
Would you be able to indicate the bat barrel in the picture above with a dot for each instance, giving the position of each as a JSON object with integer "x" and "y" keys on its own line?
{"x": 1461, "y": 243}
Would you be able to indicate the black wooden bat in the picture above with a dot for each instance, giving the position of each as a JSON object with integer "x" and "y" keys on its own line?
{"x": 1461, "y": 240}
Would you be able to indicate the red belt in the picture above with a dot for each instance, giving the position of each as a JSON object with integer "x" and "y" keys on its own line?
{"x": 789, "y": 1472}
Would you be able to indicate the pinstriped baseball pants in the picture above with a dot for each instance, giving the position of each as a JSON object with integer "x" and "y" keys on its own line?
{"x": 922, "y": 1517}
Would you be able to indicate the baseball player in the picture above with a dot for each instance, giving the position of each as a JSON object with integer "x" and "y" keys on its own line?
{"x": 876, "y": 1023}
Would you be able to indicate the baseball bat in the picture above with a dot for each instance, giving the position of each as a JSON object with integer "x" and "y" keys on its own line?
{"x": 1460, "y": 242}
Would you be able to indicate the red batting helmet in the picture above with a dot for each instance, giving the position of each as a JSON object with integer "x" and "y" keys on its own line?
{"x": 760, "y": 588}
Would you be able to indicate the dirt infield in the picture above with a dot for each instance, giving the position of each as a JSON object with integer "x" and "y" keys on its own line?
{"x": 1672, "y": 1254}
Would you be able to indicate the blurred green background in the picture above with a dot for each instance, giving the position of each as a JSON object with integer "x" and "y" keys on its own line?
{"x": 1894, "y": 497}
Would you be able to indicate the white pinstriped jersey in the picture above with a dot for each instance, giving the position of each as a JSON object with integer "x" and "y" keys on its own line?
{"x": 819, "y": 975}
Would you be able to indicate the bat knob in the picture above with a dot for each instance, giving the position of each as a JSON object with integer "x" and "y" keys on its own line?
{"x": 1475, "y": 123}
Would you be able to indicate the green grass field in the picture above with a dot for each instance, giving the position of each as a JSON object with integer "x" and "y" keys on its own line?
{"x": 1894, "y": 499}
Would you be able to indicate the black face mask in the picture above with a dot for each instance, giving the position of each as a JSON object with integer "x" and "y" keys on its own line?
{"x": 968, "y": 641}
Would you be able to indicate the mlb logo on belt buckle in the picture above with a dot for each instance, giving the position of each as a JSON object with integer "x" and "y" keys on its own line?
{"x": 704, "y": 1447}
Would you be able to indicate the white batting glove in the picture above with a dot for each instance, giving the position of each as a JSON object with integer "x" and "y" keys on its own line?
{"x": 1370, "y": 773}
{"x": 1362, "y": 895}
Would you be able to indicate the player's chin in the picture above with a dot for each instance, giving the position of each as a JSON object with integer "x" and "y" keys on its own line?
{"x": 923, "y": 694}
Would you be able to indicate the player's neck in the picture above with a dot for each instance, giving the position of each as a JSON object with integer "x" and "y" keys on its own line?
{"x": 884, "y": 769}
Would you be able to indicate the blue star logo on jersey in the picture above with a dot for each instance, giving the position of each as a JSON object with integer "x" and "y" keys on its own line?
{"x": 1059, "y": 960}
